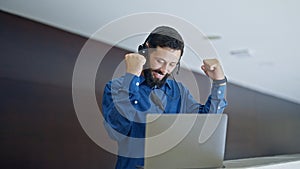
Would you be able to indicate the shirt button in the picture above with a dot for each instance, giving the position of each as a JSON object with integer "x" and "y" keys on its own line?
{"x": 219, "y": 92}
{"x": 137, "y": 83}
{"x": 136, "y": 102}
{"x": 219, "y": 107}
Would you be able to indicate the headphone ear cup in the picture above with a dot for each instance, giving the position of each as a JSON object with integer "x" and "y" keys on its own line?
{"x": 140, "y": 48}
{"x": 143, "y": 50}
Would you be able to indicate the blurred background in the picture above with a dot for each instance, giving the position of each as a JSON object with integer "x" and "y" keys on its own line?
{"x": 256, "y": 42}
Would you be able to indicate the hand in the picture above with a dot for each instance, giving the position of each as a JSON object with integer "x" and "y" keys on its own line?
{"x": 134, "y": 63}
{"x": 213, "y": 69}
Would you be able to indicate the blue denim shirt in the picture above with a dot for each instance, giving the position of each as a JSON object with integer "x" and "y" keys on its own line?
{"x": 127, "y": 100}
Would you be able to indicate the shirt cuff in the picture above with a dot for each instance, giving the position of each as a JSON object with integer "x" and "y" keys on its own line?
{"x": 131, "y": 82}
{"x": 217, "y": 91}
{"x": 220, "y": 82}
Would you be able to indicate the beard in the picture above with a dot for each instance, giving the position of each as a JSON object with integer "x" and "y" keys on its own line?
{"x": 151, "y": 81}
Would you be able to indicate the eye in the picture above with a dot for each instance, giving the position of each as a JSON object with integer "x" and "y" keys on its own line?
{"x": 173, "y": 64}
{"x": 160, "y": 61}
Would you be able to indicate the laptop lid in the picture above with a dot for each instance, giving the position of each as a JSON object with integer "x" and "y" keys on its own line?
{"x": 185, "y": 141}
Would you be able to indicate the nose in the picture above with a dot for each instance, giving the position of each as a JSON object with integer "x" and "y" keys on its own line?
{"x": 164, "y": 69}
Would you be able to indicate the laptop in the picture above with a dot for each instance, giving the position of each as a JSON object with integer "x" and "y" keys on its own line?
{"x": 185, "y": 141}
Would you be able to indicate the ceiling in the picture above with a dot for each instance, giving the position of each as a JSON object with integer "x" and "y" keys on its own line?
{"x": 256, "y": 41}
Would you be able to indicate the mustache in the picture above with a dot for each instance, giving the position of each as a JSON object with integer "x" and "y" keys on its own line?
{"x": 151, "y": 81}
{"x": 158, "y": 71}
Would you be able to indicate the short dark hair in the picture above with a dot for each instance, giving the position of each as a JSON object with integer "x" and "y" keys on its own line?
{"x": 164, "y": 36}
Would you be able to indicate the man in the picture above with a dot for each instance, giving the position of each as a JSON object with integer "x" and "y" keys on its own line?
{"x": 147, "y": 87}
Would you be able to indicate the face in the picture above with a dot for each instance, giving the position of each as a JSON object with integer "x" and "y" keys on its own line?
{"x": 163, "y": 61}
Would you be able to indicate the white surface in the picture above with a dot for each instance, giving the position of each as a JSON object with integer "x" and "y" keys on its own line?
{"x": 270, "y": 162}
{"x": 269, "y": 29}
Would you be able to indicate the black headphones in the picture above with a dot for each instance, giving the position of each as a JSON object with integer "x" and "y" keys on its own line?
{"x": 143, "y": 50}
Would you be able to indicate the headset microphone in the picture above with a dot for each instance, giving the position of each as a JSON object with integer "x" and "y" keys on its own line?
{"x": 178, "y": 67}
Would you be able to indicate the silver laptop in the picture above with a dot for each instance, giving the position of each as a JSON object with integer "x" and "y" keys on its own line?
{"x": 184, "y": 141}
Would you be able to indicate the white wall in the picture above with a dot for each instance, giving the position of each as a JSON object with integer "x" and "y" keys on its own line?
{"x": 269, "y": 29}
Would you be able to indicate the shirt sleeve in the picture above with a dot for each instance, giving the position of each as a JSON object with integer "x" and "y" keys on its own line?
{"x": 215, "y": 103}
{"x": 217, "y": 98}
{"x": 117, "y": 108}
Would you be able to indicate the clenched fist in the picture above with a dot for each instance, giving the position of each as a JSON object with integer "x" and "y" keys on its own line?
{"x": 134, "y": 63}
{"x": 213, "y": 69}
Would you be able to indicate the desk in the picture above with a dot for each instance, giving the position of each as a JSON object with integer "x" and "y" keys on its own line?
{"x": 274, "y": 162}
